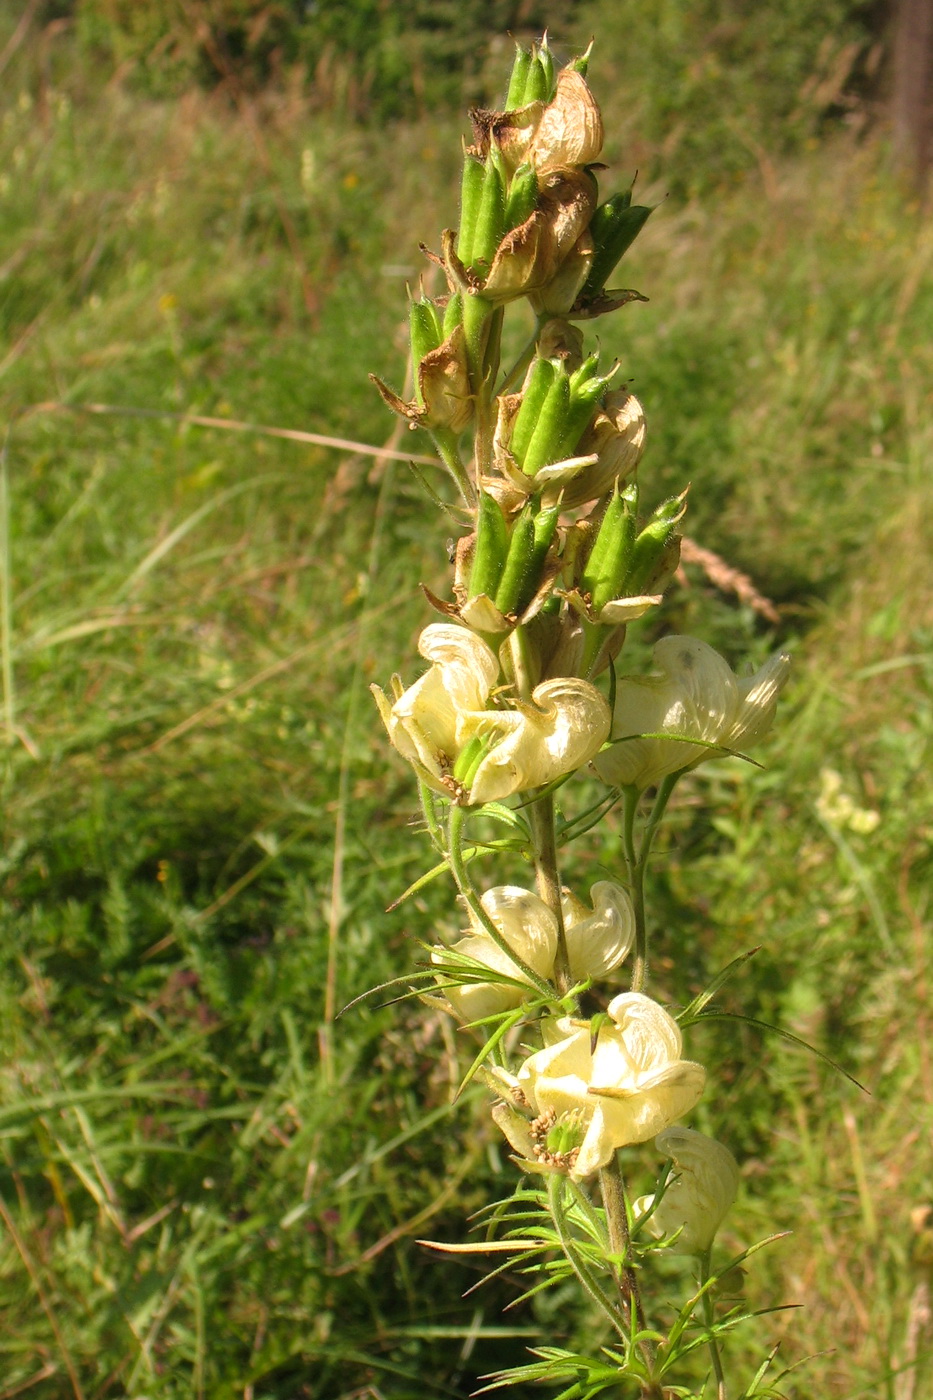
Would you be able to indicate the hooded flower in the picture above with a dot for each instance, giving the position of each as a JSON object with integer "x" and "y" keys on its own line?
{"x": 624, "y": 1089}
{"x": 697, "y": 697}
{"x": 598, "y": 939}
{"x": 442, "y": 725}
{"x": 700, "y": 1190}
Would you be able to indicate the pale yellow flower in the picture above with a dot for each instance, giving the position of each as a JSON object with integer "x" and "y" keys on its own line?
{"x": 523, "y": 746}
{"x": 625, "y": 1089}
{"x": 598, "y": 939}
{"x": 701, "y": 1188}
{"x": 697, "y": 697}
{"x": 528, "y": 927}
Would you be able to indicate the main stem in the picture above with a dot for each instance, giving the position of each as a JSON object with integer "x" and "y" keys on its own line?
{"x": 612, "y": 1188}
{"x": 471, "y": 899}
{"x": 541, "y": 816}
{"x": 635, "y": 864}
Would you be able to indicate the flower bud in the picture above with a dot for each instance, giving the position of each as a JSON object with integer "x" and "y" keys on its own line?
{"x": 700, "y": 1189}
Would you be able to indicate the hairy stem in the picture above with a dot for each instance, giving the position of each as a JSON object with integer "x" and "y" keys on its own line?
{"x": 709, "y": 1318}
{"x": 612, "y": 1188}
{"x": 587, "y": 1279}
{"x": 448, "y": 451}
{"x": 636, "y": 861}
{"x": 547, "y": 875}
{"x": 636, "y": 878}
{"x": 470, "y": 897}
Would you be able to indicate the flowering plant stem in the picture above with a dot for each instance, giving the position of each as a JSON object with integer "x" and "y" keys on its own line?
{"x": 541, "y": 817}
{"x": 636, "y": 861}
{"x": 468, "y": 893}
{"x": 553, "y": 564}
{"x": 709, "y": 1319}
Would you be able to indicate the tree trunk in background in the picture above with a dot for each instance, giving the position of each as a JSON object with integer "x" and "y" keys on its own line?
{"x": 913, "y": 88}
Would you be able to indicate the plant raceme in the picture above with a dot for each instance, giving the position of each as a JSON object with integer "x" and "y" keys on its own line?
{"x": 480, "y": 752}
{"x": 526, "y": 685}
{"x": 597, "y": 941}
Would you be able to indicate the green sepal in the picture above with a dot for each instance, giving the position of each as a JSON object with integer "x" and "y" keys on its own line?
{"x": 650, "y": 544}
{"x": 523, "y": 196}
{"x": 471, "y": 196}
{"x": 491, "y": 548}
{"x": 610, "y": 558}
{"x": 614, "y": 228}
{"x": 490, "y": 220}
{"x": 541, "y": 378}
{"x": 515, "y": 97}
{"x": 544, "y": 447}
{"x": 518, "y": 564}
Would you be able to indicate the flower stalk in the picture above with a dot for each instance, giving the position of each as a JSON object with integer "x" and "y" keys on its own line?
{"x": 527, "y": 688}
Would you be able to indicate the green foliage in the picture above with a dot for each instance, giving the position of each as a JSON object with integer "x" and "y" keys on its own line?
{"x": 194, "y": 1199}
{"x": 363, "y": 57}
{"x": 723, "y": 86}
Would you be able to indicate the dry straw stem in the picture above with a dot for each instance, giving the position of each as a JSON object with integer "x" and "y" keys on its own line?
{"x": 728, "y": 579}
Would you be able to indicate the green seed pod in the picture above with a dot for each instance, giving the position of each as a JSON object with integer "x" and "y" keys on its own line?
{"x": 541, "y": 378}
{"x": 491, "y": 548}
{"x": 546, "y": 60}
{"x": 540, "y": 78}
{"x": 581, "y": 64}
{"x": 584, "y": 396}
{"x": 515, "y": 96}
{"x": 453, "y": 314}
{"x": 545, "y": 524}
{"x": 651, "y": 543}
{"x": 544, "y": 447}
{"x": 611, "y": 556}
{"x": 471, "y": 195}
{"x": 426, "y": 335}
{"x": 490, "y": 220}
{"x": 518, "y": 564}
{"x": 523, "y": 196}
{"x": 585, "y": 372}
{"x": 614, "y": 227}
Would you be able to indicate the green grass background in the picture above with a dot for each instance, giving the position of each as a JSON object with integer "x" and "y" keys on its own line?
{"x": 208, "y": 1186}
